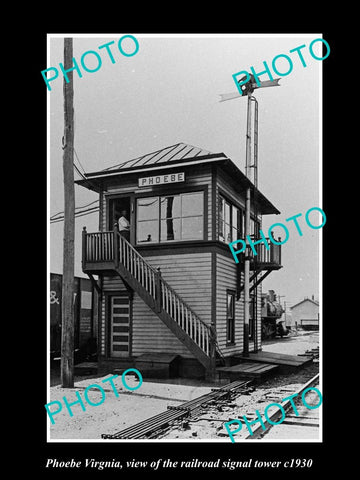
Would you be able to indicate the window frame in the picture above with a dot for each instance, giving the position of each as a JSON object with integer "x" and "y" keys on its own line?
{"x": 220, "y": 221}
{"x": 137, "y": 221}
{"x": 230, "y": 321}
{"x": 180, "y": 217}
{"x": 203, "y": 189}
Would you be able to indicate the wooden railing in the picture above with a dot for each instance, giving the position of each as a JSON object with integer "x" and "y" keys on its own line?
{"x": 110, "y": 246}
{"x": 271, "y": 255}
{"x": 98, "y": 247}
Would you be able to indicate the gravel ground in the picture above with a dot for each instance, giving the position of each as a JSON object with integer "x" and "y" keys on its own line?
{"x": 210, "y": 424}
{"x": 153, "y": 397}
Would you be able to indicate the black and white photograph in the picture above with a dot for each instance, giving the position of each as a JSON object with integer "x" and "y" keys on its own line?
{"x": 185, "y": 245}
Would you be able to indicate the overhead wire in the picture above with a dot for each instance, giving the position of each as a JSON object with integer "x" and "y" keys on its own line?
{"x": 59, "y": 216}
{"x": 53, "y": 217}
{"x": 77, "y": 214}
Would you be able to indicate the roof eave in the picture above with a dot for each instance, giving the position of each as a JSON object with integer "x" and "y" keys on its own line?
{"x": 94, "y": 180}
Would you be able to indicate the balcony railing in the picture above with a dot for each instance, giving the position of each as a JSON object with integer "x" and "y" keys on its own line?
{"x": 267, "y": 257}
{"x": 270, "y": 255}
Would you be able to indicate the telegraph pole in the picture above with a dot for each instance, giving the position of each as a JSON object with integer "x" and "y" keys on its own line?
{"x": 67, "y": 332}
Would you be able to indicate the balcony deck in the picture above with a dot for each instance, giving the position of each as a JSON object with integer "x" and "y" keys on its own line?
{"x": 268, "y": 257}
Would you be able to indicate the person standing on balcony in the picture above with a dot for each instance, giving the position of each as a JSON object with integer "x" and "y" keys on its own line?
{"x": 124, "y": 225}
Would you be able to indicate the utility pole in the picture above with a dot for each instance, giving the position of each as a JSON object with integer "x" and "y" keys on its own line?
{"x": 67, "y": 332}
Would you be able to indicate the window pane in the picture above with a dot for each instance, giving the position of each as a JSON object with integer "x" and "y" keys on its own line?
{"x": 222, "y": 231}
{"x": 124, "y": 309}
{"x": 227, "y": 213}
{"x": 254, "y": 228}
{"x": 227, "y": 233}
{"x": 148, "y": 231}
{"x": 120, "y": 300}
{"x": 170, "y": 206}
{"x": 148, "y": 208}
{"x": 236, "y": 231}
{"x": 235, "y": 235}
{"x": 221, "y": 206}
{"x": 192, "y": 204}
{"x": 170, "y": 229}
{"x": 230, "y": 305}
{"x": 241, "y": 223}
{"x": 192, "y": 228}
{"x": 120, "y": 348}
{"x": 230, "y": 330}
{"x": 121, "y": 320}
{"x": 120, "y": 329}
{"x": 235, "y": 215}
{"x": 120, "y": 338}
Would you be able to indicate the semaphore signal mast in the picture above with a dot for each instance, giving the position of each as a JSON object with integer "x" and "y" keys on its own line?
{"x": 247, "y": 88}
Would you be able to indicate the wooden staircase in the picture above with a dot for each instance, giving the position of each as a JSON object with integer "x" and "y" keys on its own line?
{"x": 109, "y": 251}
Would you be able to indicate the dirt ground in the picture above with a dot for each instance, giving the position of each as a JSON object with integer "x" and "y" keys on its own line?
{"x": 129, "y": 407}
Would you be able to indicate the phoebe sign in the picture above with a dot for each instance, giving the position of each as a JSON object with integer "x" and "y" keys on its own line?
{"x": 162, "y": 179}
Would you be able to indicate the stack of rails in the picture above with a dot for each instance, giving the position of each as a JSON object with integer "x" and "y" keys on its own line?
{"x": 163, "y": 420}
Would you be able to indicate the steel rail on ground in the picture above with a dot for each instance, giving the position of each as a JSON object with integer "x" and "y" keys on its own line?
{"x": 162, "y": 420}
{"x": 278, "y": 412}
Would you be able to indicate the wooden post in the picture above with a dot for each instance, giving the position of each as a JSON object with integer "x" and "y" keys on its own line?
{"x": 67, "y": 337}
{"x": 158, "y": 289}
{"x": 211, "y": 372}
{"x": 116, "y": 245}
{"x": 83, "y": 253}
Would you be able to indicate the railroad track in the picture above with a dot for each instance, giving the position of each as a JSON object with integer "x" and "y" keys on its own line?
{"x": 304, "y": 418}
{"x": 154, "y": 426}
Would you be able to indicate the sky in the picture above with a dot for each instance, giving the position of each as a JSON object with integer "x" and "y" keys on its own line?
{"x": 168, "y": 92}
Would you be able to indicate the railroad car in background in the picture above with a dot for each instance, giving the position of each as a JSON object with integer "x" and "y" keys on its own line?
{"x": 271, "y": 313}
{"x": 85, "y": 316}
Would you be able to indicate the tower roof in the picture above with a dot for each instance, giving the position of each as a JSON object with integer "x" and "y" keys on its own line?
{"x": 180, "y": 154}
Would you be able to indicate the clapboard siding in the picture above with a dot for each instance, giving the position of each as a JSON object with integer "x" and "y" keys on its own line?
{"x": 226, "y": 280}
{"x": 190, "y": 276}
{"x": 149, "y": 334}
{"x": 113, "y": 283}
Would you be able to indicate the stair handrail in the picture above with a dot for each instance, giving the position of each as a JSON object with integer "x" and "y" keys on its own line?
{"x": 175, "y": 293}
{"x": 156, "y": 272}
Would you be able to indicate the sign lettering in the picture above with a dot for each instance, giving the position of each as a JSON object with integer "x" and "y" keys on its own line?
{"x": 162, "y": 179}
